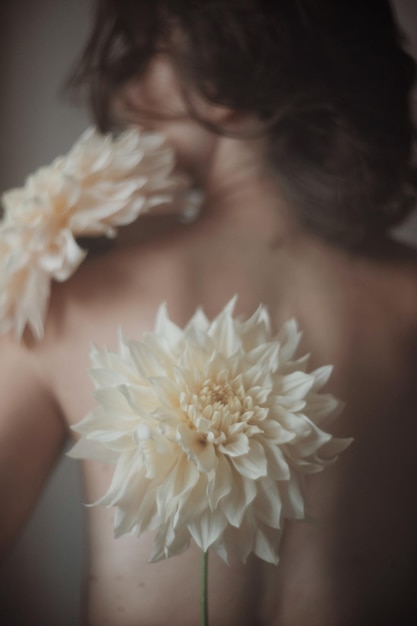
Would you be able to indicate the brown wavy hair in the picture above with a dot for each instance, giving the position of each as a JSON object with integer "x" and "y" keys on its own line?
{"x": 330, "y": 80}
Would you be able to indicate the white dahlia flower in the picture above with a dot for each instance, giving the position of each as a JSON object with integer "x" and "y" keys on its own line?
{"x": 120, "y": 179}
{"x": 211, "y": 429}
{"x": 102, "y": 183}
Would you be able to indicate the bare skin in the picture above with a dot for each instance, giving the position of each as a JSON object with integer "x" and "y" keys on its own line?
{"x": 352, "y": 564}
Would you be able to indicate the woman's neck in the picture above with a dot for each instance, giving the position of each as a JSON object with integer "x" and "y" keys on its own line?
{"x": 241, "y": 194}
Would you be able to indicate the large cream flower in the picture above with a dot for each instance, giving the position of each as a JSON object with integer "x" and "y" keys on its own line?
{"x": 121, "y": 178}
{"x": 102, "y": 183}
{"x": 211, "y": 429}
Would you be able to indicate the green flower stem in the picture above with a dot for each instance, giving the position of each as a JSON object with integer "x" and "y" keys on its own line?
{"x": 204, "y": 589}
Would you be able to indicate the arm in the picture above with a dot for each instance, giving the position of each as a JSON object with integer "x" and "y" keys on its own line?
{"x": 31, "y": 436}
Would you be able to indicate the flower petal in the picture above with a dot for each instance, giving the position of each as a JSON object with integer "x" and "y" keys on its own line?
{"x": 252, "y": 465}
{"x": 197, "y": 448}
{"x": 207, "y": 529}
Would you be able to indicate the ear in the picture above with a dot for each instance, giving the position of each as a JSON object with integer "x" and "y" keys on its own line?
{"x": 225, "y": 117}
{"x": 219, "y": 115}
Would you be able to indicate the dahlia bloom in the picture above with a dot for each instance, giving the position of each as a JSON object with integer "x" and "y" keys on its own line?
{"x": 102, "y": 183}
{"x": 211, "y": 429}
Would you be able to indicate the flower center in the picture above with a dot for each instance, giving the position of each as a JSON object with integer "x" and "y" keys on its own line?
{"x": 220, "y": 409}
{"x": 214, "y": 393}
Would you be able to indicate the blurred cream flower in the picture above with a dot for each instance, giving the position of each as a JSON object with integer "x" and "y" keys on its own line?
{"x": 102, "y": 183}
{"x": 121, "y": 178}
{"x": 211, "y": 429}
{"x": 24, "y": 285}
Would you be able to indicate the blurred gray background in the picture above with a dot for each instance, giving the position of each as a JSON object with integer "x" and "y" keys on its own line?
{"x": 39, "y": 41}
{"x": 40, "y": 582}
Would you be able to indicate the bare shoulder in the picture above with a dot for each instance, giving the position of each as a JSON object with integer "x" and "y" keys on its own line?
{"x": 361, "y": 542}
{"x": 396, "y": 272}
{"x": 362, "y": 308}
{"x": 120, "y": 289}
{"x": 109, "y": 288}
{"x": 21, "y": 365}
{"x": 387, "y": 289}
{"x": 31, "y": 434}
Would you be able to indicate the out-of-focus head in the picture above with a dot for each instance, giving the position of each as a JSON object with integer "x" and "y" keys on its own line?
{"x": 329, "y": 82}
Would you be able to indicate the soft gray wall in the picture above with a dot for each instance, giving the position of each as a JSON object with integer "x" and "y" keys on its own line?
{"x": 39, "y": 39}
{"x": 40, "y": 582}
{"x": 407, "y": 15}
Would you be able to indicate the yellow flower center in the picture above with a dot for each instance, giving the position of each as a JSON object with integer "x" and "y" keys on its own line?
{"x": 214, "y": 393}
{"x": 219, "y": 409}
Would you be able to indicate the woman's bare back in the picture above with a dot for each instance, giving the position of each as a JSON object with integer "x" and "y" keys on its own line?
{"x": 352, "y": 562}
